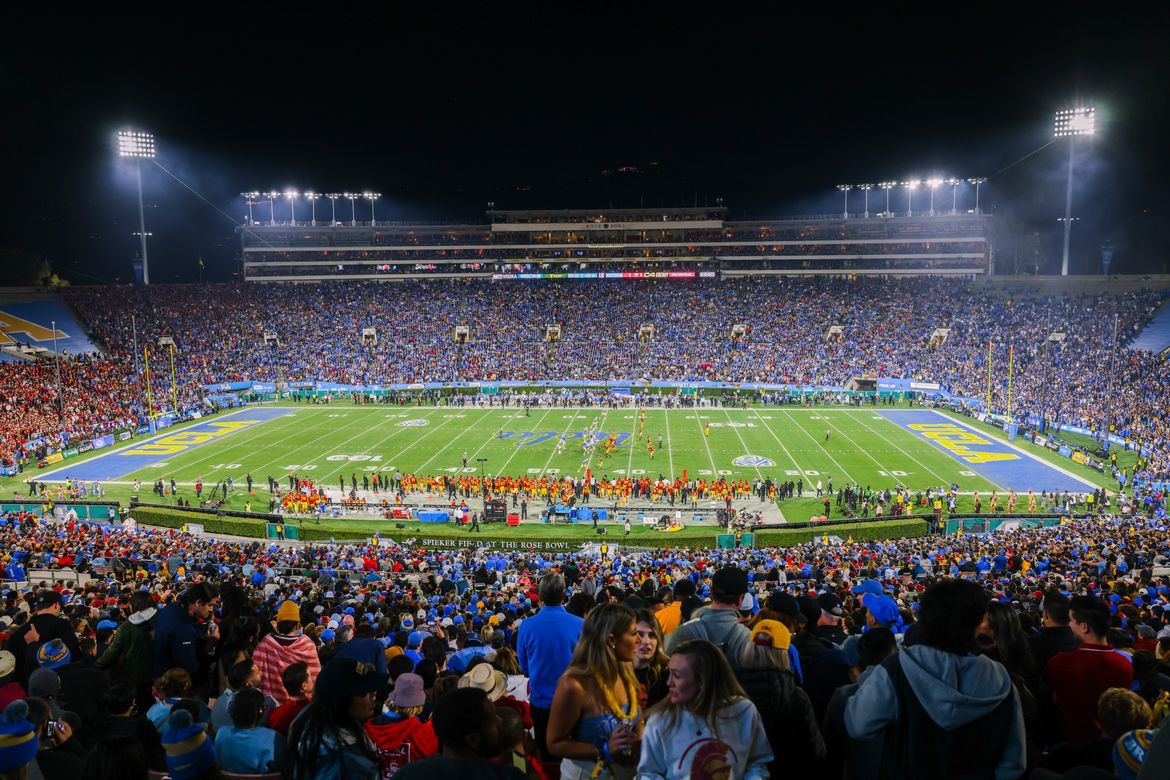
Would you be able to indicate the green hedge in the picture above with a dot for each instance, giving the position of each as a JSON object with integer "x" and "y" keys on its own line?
{"x": 705, "y": 537}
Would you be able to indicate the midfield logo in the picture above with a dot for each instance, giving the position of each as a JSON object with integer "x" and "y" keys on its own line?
{"x": 753, "y": 461}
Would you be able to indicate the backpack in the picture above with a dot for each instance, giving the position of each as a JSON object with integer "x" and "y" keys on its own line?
{"x": 916, "y": 747}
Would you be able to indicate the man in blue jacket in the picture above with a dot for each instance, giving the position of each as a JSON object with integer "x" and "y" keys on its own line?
{"x": 176, "y": 632}
{"x": 544, "y": 648}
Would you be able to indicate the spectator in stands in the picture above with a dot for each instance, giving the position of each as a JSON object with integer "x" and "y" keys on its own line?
{"x": 169, "y": 689}
{"x": 129, "y": 655}
{"x": 1078, "y": 677}
{"x": 468, "y": 729}
{"x": 718, "y": 623}
{"x": 401, "y": 738}
{"x": 246, "y": 747}
{"x": 785, "y": 709}
{"x": 593, "y": 723}
{"x": 243, "y": 676}
{"x": 650, "y": 660}
{"x": 707, "y": 727}
{"x": 45, "y": 625}
{"x": 10, "y": 689}
{"x": 950, "y": 712}
{"x": 124, "y": 721}
{"x": 287, "y": 646}
{"x": 182, "y": 628}
{"x": 296, "y": 682}
{"x": 1118, "y": 711}
{"x": 670, "y": 616}
{"x": 60, "y": 756}
{"x": 856, "y": 757}
{"x": 544, "y": 648}
{"x": 82, "y": 686}
{"x": 118, "y": 758}
{"x": 190, "y": 752}
{"x": 1054, "y": 635}
{"x": 18, "y": 740}
{"x": 824, "y": 667}
{"x": 328, "y": 741}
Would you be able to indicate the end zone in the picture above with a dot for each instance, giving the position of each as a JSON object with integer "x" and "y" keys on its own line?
{"x": 1003, "y": 463}
{"x": 142, "y": 453}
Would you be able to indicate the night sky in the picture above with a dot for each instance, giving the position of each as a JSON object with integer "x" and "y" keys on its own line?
{"x": 542, "y": 108}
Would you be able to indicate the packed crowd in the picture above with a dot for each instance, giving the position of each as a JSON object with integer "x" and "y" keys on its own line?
{"x": 1030, "y": 652}
{"x": 888, "y": 329}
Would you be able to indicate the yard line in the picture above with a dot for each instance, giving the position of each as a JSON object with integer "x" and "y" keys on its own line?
{"x": 410, "y": 446}
{"x": 904, "y": 452}
{"x": 517, "y": 447}
{"x": 572, "y": 418}
{"x": 881, "y": 466}
{"x": 741, "y": 441}
{"x": 442, "y": 450}
{"x": 669, "y": 448}
{"x": 286, "y": 457}
{"x": 601, "y": 430}
{"x": 710, "y": 457}
{"x": 787, "y": 454}
{"x": 848, "y": 476}
{"x": 245, "y": 442}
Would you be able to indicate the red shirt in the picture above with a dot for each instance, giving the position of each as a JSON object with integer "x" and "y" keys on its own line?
{"x": 282, "y": 717}
{"x": 1078, "y": 678}
{"x": 401, "y": 742}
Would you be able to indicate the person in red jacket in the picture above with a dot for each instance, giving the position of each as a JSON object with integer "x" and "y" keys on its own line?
{"x": 1078, "y": 677}
{"x": 400, "y": 736}
{"x": 296, "y": 684}
{"x": 276, "y": 652}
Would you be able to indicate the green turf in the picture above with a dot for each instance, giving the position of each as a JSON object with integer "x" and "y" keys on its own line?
{"x": 324, "y": 442}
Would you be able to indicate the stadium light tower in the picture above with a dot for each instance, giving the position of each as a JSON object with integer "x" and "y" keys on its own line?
{"x": 954, "y": 193}
{"x": 910, "y": 187}
{"x": 934, "y": 185}
{"x": 312, "y": 198}
{"x": 272, "y": 196}
{"x": 333, "y": 196}
{"x": 371, "y": 197}
{"x": 866, "y": 188}
{"x": 845, "y": 188}
{"x": 977, "y": 181}
{"x": 887, "y": 186}
{"x": 1072, "y": 122}
{"x": 250, "y": 200}
{"x": 352, "y": 206}
{"x": 292, "y": 196}
{"x": 139, "y": 146}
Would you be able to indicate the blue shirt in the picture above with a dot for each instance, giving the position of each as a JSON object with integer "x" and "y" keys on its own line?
{"x": 253, "y": 751}
{"x": 544, "y": 648}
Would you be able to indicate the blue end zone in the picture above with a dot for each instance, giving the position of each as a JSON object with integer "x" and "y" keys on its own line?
{"x": 30, "y": 322}
{"x": 997, "y": 461}
{"x": 142, "y": 453}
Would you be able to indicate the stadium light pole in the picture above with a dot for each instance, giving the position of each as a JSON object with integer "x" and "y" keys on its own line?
{"x": 272, "y": 196}
{"x": 954, "y": 193}
{"x": 887, "y": 186}
{"x": 910, "y": 187}
{"x": 333, "y": 196}
{"x": 292, "y": 205}
{"x": 977, "y": 181}
{"x": 1072, "y": 123}
{"x": 933, "y": 184}
{"x": 371, "y": 197}
{"x": 845, "y": 188}
{"x": 249, "y": 199}
{"x": 866, "y": 188}
{"x": 352, "y": 207}
{"x": 139, "y": 146}
{"x": 312, "y": 198}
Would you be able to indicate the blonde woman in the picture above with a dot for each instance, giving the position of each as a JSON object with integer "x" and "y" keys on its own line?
{"x": 706, "y": 727}
{"x": 593, "y": 725}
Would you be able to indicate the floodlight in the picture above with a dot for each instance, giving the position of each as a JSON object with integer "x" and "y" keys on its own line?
{"x": 1076, "y": 121}
{"x": 910, "y": 187}
{"x": 933, "y": 182}
{"x": 887, "y": 186}
{"x": 371, "y": 197}
{"x": 135, "y": 144}
{"x": 845, "y": 188}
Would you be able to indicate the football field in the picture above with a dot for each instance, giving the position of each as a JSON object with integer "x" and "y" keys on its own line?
{"x": 882, "y": 447}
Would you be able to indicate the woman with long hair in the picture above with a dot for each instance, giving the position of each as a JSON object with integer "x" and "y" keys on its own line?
{"x": 328, "y": 740}
{"x": 650, "y": 660}
{"x": 706, "y": 726}
{"x": 593, "y": 723}
{"x": 786, "y": 710}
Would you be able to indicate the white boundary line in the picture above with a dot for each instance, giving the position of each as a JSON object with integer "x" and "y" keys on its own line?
{"x": 1020, "y": 450}
{"x": 742, "y": 443}
{"x": 890, "y": 441}
{"x": 803, "y": 430}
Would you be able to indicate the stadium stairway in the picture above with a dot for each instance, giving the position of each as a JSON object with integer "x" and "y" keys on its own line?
{"x": 1155, "y": 337}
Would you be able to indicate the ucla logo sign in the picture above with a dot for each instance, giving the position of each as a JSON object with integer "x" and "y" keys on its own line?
{"x": 753, "y": 461}
{"x": 413, "y": 423}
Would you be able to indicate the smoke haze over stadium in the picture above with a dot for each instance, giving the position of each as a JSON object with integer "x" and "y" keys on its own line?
{"x": 556, "y": 107}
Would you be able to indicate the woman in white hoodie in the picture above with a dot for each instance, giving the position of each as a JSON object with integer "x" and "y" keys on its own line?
{"x": 706, "y": 727}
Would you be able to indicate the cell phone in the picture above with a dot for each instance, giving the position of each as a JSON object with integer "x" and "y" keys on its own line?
{"x": 51, "y": 728}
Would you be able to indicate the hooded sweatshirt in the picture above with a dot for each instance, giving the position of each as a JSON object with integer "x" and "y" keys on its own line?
{"x": 718, "y": 625}
{"x": 955, "y": 690}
